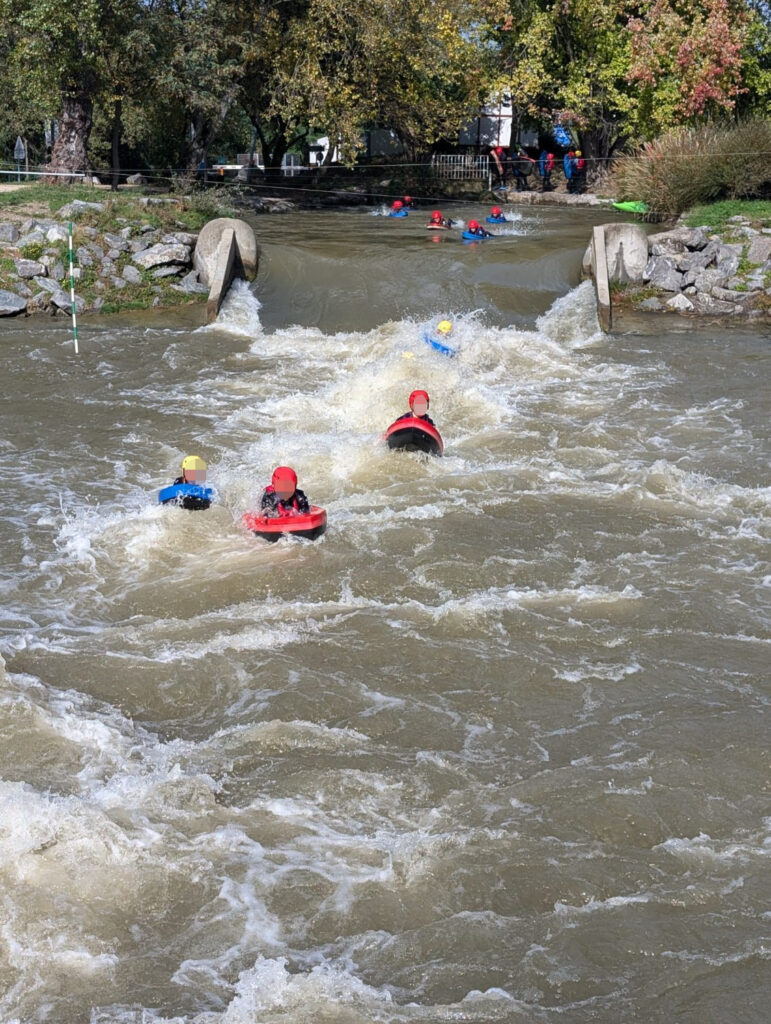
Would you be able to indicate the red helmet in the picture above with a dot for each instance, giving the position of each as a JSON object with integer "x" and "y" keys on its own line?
{"x": 473, "y": 224}
{"x": 408, "y": 199}
{"x": 415, "y": 395}
{"x": 496, "y": 211}
{"x": 436, "y": 215}
{"x": 283, "y": 474}
{"x": 398, "y": 204}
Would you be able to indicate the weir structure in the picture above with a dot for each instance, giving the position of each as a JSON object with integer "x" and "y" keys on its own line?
{"x": 226, "y": 249}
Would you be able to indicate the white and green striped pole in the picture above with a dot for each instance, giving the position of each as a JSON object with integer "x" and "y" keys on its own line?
{"x": 72, "y": 296}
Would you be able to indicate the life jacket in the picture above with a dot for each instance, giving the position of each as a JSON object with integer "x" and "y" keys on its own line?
{"x": 293, "y": 503}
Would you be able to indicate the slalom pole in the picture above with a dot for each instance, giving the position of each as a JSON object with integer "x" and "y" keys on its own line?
{"x": 72, "y": 296}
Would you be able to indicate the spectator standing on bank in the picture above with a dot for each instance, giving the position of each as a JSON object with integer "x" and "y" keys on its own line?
{"x": 546, "y": 166}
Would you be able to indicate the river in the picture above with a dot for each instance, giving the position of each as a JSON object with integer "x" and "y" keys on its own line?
{"x": 492, "y": 750}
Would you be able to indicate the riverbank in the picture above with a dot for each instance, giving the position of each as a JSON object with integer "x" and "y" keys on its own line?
{"x": 716, "y": 261}
{"x": 132, "y": 250}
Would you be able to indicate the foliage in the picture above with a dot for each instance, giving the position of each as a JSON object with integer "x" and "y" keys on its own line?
{"x": 717, "y": 215}
{"x": 688, "y": 166}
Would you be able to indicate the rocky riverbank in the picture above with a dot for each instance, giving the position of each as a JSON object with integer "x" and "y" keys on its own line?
{"x": 125, "y": 257}
{"x": 691, "y": 270}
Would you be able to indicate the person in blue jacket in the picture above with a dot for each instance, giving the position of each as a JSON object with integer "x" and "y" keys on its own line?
{"x": 397, "y": 209}
{"x": 496, "y": 216}
{"x": 569, "y": 167}
{"x": 475, "y": 228}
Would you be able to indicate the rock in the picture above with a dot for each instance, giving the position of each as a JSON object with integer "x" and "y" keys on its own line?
{"x": 676, "y": 241}
{"x": 759, "y": 250}
{"x": 652, "y": 303}
{"x": 29, "y": 268}
{"x": 131, "y": 274}
{"x": 89, "y": 232}
{"x": 661, "y": 273}
{"x": 47, "y": 284}
{"x": 626, "y": 250}
{"x": 706, "y": 304}
{"x": 709, "y": 279}
{"x": 192, "y": 285}
{"x": 180, "y": 238}
{"x": 22, "y": 289}
{"x": 136, "y": 179}
{"x": 156, "y": 201}
{"x": 680, "y": 303}
{"x": 690, "y": 261}
{"x": 115, "y": 241}
{"x": 205, "y": 255}
{"x": 161, "y": 255}
{"x": 11, "y": 304}
{"x": 146, "y": 227}
{"x": 119, "y": 282}
{"x": 85, "y": 259}
{"x": 97, "y": 304}
{"x": 728, "y": 263}
{"x": 106, "y": 268}
{"x": 738, "y": 219}
{"x": 113, "y": 254}
{"x": 690, "y": 290}
{"x": 97, "y": 250}
{"x": 74, "y": 209}
{"x": 8, "y": 232}
{"x": 99, "y": 286}
{"x": 125, "y": 232}
{"x": 170, "y": 271}
{"x": 39, "y": 303}
{"x": 35, "y": 237}
{"x": 138, "y": 245}
{"x": 728, "y": 294}
{"x": 61, "y": 300}
{"x": 57, "y": 272}
{"x": 58, "y": 233}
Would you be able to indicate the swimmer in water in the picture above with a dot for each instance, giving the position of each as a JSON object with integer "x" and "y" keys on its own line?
{"x": 419, "y": 401}
{"x": 282, "y": 496}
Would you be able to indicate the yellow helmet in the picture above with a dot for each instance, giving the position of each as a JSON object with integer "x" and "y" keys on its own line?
{"x": 444, "y": 327}
{"x": 193, "y": 462}
{"x": 578, "y": 152}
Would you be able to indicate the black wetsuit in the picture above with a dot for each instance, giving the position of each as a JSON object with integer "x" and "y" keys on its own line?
{"x": 189, "y": 501}
{"x": 412, "y": 416}
{"x": 272, "y": 505}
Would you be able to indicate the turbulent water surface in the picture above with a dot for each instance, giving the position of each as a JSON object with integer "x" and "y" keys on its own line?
{"x": 494, "y": 749}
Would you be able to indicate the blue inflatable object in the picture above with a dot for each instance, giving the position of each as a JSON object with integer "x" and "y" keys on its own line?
{"x": 398, "y": 213}
{"x": 193, "y": 497}
{"x": 561, "y": 136}
{"x": 469, "y": 236}
{"x": 496, "y": 220}
{"x": 439, "y": 346}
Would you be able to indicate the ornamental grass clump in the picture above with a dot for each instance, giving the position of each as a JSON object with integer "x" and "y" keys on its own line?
{"x": 689, "y": 166}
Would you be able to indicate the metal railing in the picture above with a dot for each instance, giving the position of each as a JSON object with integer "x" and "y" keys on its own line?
{"x": 460, "y": 166}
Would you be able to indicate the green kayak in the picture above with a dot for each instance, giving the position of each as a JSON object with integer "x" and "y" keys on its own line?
{"x": 633, "y": 206}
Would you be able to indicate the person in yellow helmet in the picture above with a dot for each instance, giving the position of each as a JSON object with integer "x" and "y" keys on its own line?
{"x": 189, "y": 490}
{"x": 444, "y": 327}
{"x": 193, "y": 470}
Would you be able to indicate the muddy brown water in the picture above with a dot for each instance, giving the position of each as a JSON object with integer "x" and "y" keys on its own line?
{"x": 494, "y": 749}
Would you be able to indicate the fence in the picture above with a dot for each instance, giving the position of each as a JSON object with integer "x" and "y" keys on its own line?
{"x": 460, "y": 166}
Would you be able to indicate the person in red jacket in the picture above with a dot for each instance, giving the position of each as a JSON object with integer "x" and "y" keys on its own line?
{"x": 282, "y": 496}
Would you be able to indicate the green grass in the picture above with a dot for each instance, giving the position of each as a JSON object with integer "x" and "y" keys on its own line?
{"x": 716, "y": 215}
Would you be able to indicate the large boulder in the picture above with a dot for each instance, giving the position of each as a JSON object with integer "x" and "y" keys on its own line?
{"x": 115, "y": 242}
{"x": 8, "y": 232}
{"x": 677, "y": 240}
{"x": 162, "y": 255}
{"x": 759, "y": 250}
{"x": 57, "y": 233}
{"x": 10, "y": 304}
{"x": 206, "y": 251}
{"x": 29, "y": 268}
{"x": 74, "y": 209}
{"x": 661, "y": 273}
{"x": 626, "y": 252}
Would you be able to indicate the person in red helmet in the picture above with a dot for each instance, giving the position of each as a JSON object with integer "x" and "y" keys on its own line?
{"x": 408, "y": 202}
{"x": 496, "y": 216}
{"x": 282, "y": 496}
{"x": 475, "y": 228}
{"x": 438, "y": 221}
{"x": 418, "y": 408}
{"x": 397, "y": 209}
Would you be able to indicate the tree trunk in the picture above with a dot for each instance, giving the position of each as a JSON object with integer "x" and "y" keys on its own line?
{"x": 68, "y": 156}
{"x": 117, "y": 127}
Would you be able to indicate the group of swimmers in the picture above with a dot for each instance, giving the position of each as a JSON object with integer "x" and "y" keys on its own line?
{"x": 282, "y": 496}
{"x": 401, "y": 207}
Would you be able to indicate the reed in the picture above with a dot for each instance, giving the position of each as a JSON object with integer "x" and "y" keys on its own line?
{"x": 688, "y": 166}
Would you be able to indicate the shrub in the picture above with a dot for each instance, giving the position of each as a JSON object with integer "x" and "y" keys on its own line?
{"x": 688, "y": 166}
{"x": 33, "y": 251}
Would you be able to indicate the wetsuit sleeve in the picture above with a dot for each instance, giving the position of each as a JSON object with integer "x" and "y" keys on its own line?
{"x": 303, "y": 504}
{"x": 404, "y": 416}
{"x": 179, "y": 480}
{"x": 269, "y": 501}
